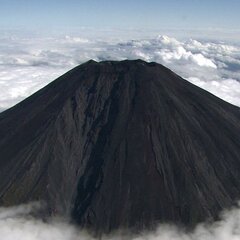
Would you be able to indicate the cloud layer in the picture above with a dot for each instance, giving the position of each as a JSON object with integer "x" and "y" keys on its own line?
{"x": 18, "y": 223}
{"x": 29, "y": 63}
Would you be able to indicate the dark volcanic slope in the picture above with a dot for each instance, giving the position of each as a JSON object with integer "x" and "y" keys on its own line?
{"x": 122, "y": 144}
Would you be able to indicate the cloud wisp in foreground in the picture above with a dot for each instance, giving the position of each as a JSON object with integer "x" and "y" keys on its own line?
{"x": 27, "y": 64}
{"x": 19, "y": 223}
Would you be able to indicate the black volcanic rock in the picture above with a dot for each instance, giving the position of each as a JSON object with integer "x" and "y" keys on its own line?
{"x": 122, "y": 144}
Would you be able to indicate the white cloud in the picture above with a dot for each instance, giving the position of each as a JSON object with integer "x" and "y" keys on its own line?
{"x": 19, "y": 223}
{"x": 27, "y": 64}
{"x": 18, "y": 82}
{"x": 227, "y": 89}
{"x": 202, "y": 61}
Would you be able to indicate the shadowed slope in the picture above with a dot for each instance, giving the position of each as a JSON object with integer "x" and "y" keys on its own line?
{"x": 122, "y": 144}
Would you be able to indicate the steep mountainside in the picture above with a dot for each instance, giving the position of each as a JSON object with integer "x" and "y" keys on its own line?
{"x": 122, "y": 144}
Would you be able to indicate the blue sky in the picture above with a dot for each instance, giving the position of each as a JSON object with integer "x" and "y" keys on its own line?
{"x": 151, "y": 14}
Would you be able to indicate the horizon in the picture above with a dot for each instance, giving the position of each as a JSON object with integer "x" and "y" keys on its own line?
{"x": 153, "y": 14}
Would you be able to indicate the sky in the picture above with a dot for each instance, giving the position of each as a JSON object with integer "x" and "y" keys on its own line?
{"x": 151, "y": 14}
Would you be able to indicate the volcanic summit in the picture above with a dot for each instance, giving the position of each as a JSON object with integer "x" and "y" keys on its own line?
{"x": 124, "y": 144}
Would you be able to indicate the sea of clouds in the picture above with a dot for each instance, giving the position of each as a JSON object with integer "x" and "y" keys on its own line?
{"x": 18, "y": 223}
{"x": 29, "y": 63}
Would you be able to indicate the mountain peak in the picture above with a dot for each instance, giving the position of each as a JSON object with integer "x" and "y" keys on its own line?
{"x": 122, "y": 145}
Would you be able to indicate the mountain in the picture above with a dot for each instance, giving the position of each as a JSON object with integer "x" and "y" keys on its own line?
{"x": 123, "y": 144}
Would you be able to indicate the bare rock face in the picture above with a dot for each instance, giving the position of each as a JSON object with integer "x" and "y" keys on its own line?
{"x": 122, "y": 145}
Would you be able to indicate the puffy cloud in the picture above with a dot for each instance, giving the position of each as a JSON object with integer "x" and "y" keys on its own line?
{"x": 18, "y": 82}
{"x": 19, "y": 223}
{"x": 202, "y": 61}
{"x": 29, "y": 63}
{"x": 227, "y": 89}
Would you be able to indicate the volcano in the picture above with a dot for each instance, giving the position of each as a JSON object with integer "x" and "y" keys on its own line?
{"x": 126, "y": 144}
